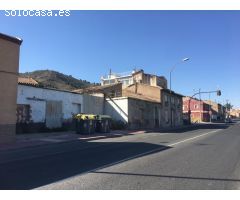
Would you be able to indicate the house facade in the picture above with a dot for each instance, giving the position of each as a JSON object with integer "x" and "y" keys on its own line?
{"x": 167, "y": 110}
{"x": 135, "y": 112}
{"x": 39, "y": 109}
{"x": 146, "y": 103}
{"x": 199, "y": 110}
{"x": 217, "y": 111}
{"x": 235, "y": 113}
{"x": 9, "y": 65}
{"x": 136, "y": 76}
{"x": 138, "y": 105}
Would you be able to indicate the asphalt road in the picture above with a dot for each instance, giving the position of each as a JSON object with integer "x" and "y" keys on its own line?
{"x": 206, "y": 157}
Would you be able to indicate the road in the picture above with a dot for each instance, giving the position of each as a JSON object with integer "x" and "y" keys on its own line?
{"x": 205, "y": 157}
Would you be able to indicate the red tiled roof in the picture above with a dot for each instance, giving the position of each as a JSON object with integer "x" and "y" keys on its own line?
{"x": 28, "y": 81}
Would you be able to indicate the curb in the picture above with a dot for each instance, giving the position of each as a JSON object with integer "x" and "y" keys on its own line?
{"x": 38, "y": 142}
{"x": 85, "y": 138}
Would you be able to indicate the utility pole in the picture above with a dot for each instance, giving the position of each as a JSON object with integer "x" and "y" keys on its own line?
{"x": 200, "y": 113}
{"x": 210, "y": 108}
{"x": 219, "y": 93}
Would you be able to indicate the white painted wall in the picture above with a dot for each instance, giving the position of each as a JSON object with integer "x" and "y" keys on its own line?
{"x": 117, "y": 109}
{"x": 93, "y": 104}
{"x": 69, "y": 101}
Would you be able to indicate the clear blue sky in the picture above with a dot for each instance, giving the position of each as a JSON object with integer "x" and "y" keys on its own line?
{"x": 88, "y": 43}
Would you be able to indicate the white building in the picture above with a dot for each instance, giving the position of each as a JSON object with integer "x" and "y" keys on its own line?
{"x": 136, "y": 76}
{"x": 43, "y": 107}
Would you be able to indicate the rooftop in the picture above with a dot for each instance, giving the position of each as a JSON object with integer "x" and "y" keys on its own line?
{"x": 140, "y": 96}
{"x": 100, "y": 88}
{"x": 11, "y": 38}
{"x": 172, "y": 92}
{"x": 28, "y": 81}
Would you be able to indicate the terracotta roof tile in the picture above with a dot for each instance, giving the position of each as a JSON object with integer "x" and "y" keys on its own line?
{"x": 28, "y": 81}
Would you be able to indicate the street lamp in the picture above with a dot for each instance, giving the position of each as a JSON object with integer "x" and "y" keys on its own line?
{"x": 174, "y": 66}
{"x": 171, "y": 110}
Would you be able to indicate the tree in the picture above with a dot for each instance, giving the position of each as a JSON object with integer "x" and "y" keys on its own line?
{"x": 228, "y": 106}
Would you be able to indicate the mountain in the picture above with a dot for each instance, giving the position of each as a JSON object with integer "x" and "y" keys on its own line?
{"x": 57, "y": 80}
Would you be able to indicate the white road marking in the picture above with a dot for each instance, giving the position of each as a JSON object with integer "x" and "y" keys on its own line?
{"x": 148, "y": 152}
{"x": 192, "y": 138}
{"x": 132, "y": 157}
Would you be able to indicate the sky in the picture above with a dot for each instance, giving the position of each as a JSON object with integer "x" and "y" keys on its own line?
{"x": 87, "y": 44}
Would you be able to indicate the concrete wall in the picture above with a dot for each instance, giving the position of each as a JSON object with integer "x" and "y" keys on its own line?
{"x": 117, "y": 108}
{"x": 144, "y": 90}
{"x": 37, "y": 97}
{"x": 93, "y": 104}
{"x": 71, "y": 103}
{"x": 149, "y": 79}
{"x": 143, "y": 114}
{"x": 9, "y": 64}
{"x": 161, "y": 81}
{"x": 137, "y": 113}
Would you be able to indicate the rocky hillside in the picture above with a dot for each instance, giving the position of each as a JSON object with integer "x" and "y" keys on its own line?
{"x": 57, "y": 80}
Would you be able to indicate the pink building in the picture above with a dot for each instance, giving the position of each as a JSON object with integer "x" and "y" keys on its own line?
{"x": 199, "y": 110}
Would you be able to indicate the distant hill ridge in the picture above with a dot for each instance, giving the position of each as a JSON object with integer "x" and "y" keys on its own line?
{"x": 57, "y": 80}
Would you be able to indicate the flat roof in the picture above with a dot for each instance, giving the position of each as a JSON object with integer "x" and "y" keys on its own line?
{"x": 11, "y": 38}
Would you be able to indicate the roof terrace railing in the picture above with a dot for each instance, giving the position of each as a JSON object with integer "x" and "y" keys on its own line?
{"x": 117, "y": 75}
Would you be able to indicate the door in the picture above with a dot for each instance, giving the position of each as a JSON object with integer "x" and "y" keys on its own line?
{"x": 53, "y": 114}
{"x": 156, "y": 116}
{"x": 23, "y": 113}
{"x": 173, "y": 117}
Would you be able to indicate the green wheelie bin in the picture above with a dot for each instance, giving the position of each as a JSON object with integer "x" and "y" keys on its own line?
{"x": 85, "y": 124}
{"x": 103, "y": 123}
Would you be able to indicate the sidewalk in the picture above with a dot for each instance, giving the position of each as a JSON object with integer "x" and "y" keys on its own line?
{"x": 36, "y": 139}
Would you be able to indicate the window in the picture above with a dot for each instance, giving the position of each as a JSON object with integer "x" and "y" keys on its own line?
{"x": 130, "y": 81}
{"x": 172, "y": 100}
{"x": 125, "y": 81}
{"x": 185, "y": 107}
{"x": 112, "y": 81}
{"x": 178, "y": 101}
{"x": 166, "y": 98}
{"x": 107, "y": 82}
{"x": 196, "y": 106}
